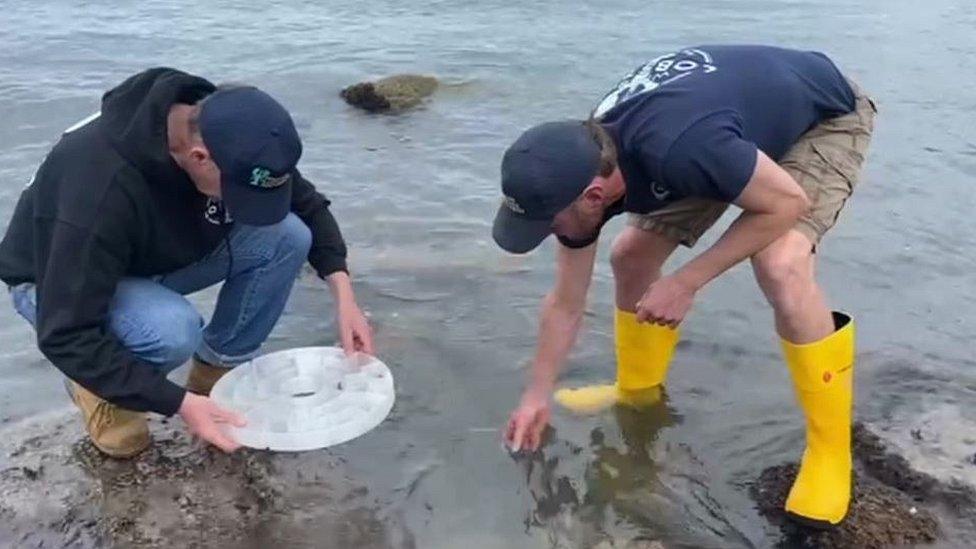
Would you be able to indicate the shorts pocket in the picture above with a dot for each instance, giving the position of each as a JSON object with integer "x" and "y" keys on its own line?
{"x": 844, "y": 161}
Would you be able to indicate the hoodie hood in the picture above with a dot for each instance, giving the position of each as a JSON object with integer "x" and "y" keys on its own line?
{"x": 134, "y": 115}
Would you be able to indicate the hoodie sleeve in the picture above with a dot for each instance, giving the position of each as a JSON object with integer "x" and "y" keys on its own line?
{"x": 74, "y": 291}
{"x": 328, "y": 253}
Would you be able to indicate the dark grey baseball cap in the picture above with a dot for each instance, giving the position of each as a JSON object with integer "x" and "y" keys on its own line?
{"x": 543, "y": 172}
{"x": 255, "y": 144}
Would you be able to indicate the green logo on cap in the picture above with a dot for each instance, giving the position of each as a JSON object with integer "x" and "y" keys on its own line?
{"x": 261, "y": 177}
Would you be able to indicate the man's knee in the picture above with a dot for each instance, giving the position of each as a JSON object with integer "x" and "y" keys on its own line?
{"x": 293, "y": 237}
{"x": 166, "y": 337}
{"x": 639, "y": 253}
{"x": 784, "y": 277}
{"x": 622, "y": 254}
{"x": 180, "y": 341}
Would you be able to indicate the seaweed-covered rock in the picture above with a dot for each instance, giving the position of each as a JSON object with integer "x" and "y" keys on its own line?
{"x": 891, "y": 505}
{"x": 880, "y": 515}
{"x": 393, "y": 93}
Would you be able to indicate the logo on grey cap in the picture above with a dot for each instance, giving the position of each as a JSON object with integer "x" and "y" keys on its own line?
{"x": 513, "y": 205}
{"x": 261, "y": 177}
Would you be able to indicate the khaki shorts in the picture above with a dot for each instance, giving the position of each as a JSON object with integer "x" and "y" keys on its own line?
{"x": 825, "y": 161}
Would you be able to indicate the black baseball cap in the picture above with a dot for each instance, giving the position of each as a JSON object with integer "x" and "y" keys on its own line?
{"x": 543, "y": 172}
{"x": 253, "y": 141}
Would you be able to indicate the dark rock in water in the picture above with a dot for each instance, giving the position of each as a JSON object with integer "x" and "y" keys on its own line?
{"x": 887, "y": 507}
{"x": 393, "y": 93}
{"x": 364, "y": 96}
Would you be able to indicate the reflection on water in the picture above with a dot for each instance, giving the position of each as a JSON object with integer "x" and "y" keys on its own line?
{"x": 631, "y": 489}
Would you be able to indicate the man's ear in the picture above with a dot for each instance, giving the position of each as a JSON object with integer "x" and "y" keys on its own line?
{"x": 199, "y": 154}
{"x": 594, "y": 193}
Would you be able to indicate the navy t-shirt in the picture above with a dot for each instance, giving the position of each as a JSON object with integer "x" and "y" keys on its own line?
{"x": 687, "y": 124}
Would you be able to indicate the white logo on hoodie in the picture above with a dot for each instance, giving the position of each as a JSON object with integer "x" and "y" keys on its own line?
{"x": 81, "y": 123}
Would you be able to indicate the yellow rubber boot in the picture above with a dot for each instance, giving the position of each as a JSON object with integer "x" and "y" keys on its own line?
{"x": 823, "y": 377}
{"x": 644, "y": 352}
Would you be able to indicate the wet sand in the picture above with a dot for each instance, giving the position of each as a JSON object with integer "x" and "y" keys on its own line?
{"x": 56, "y": 489}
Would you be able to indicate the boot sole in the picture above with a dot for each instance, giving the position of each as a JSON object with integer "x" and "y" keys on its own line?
{"x": 815, "y": 524}
{"x": 118, "y": 455}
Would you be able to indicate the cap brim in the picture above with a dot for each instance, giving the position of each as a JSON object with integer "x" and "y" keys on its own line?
{"x": 517, "y": 234}
{"x": 256, "y": 206}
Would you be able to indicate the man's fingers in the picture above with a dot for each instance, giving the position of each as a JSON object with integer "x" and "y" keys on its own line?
{"x": 540, "y": 427}
{"x": 669, "y": 320}
{"x": 346, "y": 337}
{"x": 222, "y": 415}
{"x": 648, "y": 315}
{"x": 518, "y": 439}
{"x": 212, "y": 435}
{"x": 658, "y": 319}
{"x": 642, "y": 315}
{"x": 210, "y": 430}
{"x": 366, "y": 337}
{"x": 226, "y": 416}
{"x": 533, "y": 427}
{"x": 510, "y": 430}
{"x": 224, "y": 442}
{"x": 357, "y": 343}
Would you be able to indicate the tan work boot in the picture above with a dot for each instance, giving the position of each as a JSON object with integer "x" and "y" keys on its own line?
{"x": 117, "y": 432}
{"x": 203, "y": 376}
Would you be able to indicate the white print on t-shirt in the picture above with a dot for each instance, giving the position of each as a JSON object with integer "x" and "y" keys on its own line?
{"x": 655, "y": 73}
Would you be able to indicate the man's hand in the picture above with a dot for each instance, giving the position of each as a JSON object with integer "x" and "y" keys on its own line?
{"x": 354, "y": 331}
{"x": 203, "y": 418}
{"x": 666, "y": 301}
{"x": 525, "y": 426}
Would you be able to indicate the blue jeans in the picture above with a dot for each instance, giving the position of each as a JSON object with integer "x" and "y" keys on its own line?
{"x": 153, "y": 320}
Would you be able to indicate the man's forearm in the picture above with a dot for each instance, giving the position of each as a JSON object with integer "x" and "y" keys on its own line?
{"x": 749, "y": 234}
{"x": 558, "y": 326}
{"x": 341, "y": 286}
{"x": 772, "y": 202}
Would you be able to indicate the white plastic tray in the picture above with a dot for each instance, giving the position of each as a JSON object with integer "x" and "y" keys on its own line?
{"x": 306, "y": 398}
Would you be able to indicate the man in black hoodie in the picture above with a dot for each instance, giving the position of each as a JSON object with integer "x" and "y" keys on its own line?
{"x": 175, "y": 186}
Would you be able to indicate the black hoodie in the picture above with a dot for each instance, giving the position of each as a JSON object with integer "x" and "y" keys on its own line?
{"x": 110, "y": 202}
